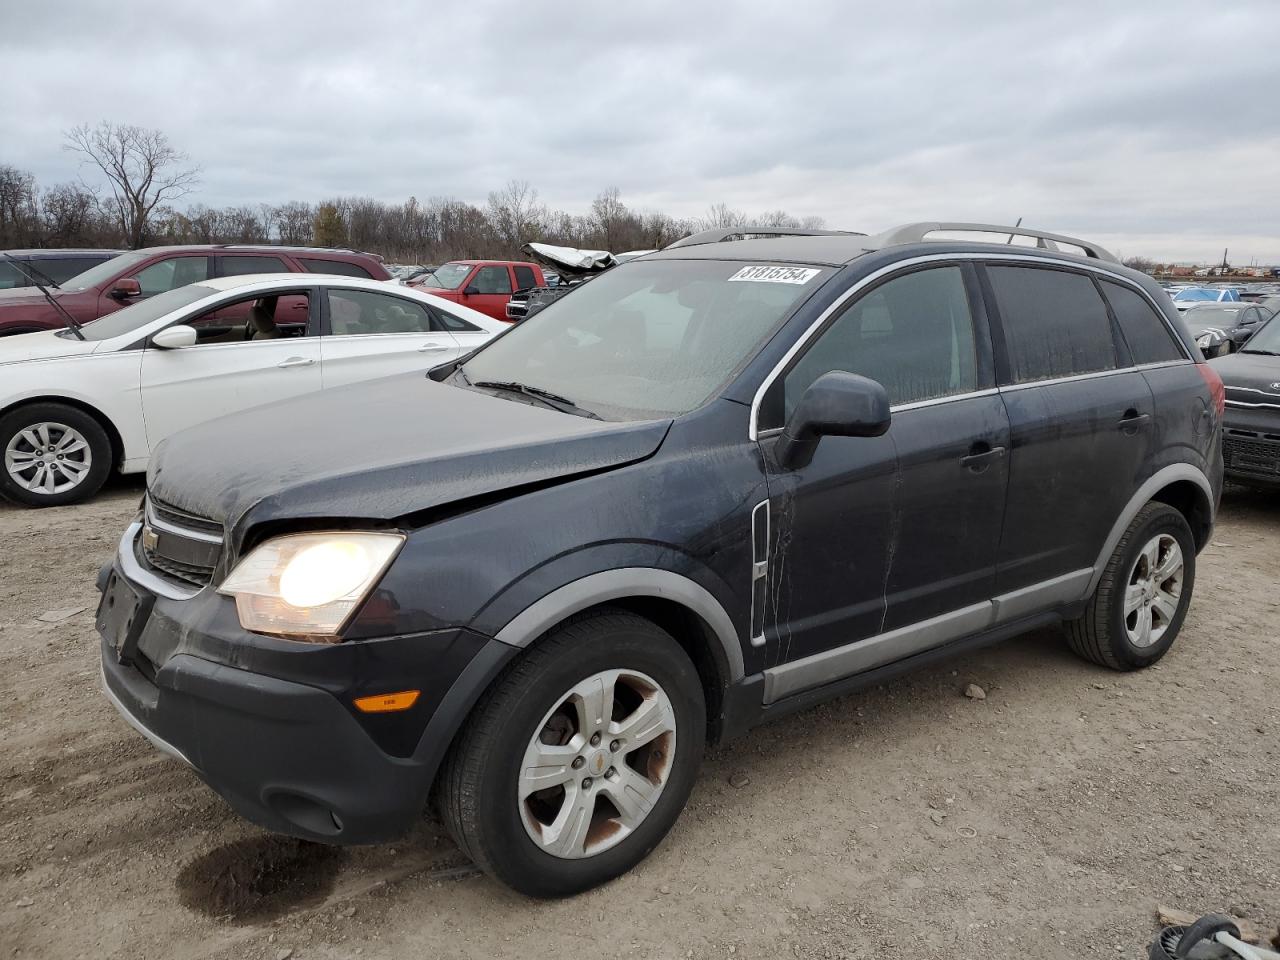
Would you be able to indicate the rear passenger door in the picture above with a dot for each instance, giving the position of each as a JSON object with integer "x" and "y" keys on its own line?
{"x": 369, "y": 334}
{"x": 1081, "y": 420}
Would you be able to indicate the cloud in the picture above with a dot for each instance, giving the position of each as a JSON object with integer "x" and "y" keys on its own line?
{"x": 1146, "y": 126}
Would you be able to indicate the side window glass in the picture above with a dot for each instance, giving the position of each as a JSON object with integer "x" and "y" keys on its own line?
{"x": 239, "y": 266}
{"x": 362, "y": 312}
{"x": 267, "y": 318}
{"x": 447, "y": 321}
{"x": 525, "y": 278}
{"x": 166, "y": 275}
{"x": 1055, "y": 324}
{"x": 11, "y": 276}
{"x": 1148, "y": 337}
{"x": 913, "y": 334}
{"x": 338, "y": 267}
{"x": 492, "y": 280}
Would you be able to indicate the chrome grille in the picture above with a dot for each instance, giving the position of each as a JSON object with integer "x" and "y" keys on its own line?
{"x": 179, "y": 546}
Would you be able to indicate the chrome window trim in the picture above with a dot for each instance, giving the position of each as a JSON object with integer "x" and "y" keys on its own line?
{"x": 754, "y": 432}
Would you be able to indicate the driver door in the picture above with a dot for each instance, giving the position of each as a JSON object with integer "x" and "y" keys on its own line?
{"x": 189, "y": 385}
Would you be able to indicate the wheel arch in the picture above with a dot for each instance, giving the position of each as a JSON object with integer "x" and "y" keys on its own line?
{"x": 112, "y": 432}
{"x": 1180, "y": 485}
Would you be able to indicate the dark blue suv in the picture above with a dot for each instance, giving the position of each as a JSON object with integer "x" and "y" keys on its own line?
{"x": 713, "y": 486}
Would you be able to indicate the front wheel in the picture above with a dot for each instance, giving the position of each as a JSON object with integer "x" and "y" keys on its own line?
{"x": 579, "y": 761}
{"x": 53, "y": 455}
{"x": 1142, "y": 598}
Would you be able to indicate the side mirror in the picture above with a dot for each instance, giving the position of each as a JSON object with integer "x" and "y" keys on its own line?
{"x": 837, "y": 404}
{"x": 179, "y": 335}
{"x": 126, "y": 288}
{"x": 470, "y": 290}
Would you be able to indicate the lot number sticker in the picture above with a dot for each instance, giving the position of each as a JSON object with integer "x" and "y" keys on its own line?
{"x": 775, "y": 274}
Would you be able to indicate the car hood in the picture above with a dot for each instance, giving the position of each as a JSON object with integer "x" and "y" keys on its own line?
{"x": 1253, "y": 371}
{"x": 380, "y": 451}
{"x": 45, "y": 345}
{"x": 22, "y": 296}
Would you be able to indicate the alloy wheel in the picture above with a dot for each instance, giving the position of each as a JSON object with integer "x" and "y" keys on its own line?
{"x": 48, "y": 458}
{"x": 597, "y": 764}
{"x": 1154, "y": 590}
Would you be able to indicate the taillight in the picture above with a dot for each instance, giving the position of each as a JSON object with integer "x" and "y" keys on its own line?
{"x": 1217, "y": 390}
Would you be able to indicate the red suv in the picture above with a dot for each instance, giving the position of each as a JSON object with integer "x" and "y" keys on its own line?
{"x": 139, "y": 274}
{"x": 484, "y": 285}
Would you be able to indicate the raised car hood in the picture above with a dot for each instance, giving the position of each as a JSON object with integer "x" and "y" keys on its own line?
{"x": 45, "y": 345}
{"x": 379, "y": 451}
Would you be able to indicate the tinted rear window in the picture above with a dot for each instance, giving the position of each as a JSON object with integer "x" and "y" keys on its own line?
{"x": 1055, "y": 324}
{"x": 239, "y": 266}
{"x": 1148, "y": 337}
{"x": 340, "y": 267}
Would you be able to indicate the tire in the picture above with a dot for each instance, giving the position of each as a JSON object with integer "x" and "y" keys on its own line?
{"x": 83, "y": 441}
{"x": 482, "y": 789}
{"x": 1105, "y": 634}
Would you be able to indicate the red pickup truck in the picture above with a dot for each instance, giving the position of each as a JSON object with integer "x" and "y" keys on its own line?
{"x": 484, "y": 285}
{"x": 134, "y": 276}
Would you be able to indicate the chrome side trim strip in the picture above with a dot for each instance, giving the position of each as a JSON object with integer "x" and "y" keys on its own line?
{"x": 753, "y": 432}
{"x": 862, "y": 655}
{"x": 1048, "y": 593}
{"x": 1096, "y": 375}
{"x": 138, "y": 574}
{"x": 1253, "y": 406}
{"x": 759, "y": 570}
{"x": 164, "y": 746}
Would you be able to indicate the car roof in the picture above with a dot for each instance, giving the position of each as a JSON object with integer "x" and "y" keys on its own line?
{"x": 295, "y": 279}
{"x": 492, "y": 263}
{"x": 331, "y": 253}
{"x": 48, "y": 252}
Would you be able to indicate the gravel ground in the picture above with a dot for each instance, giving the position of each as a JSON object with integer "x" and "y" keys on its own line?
{"x": 907, "y": 821}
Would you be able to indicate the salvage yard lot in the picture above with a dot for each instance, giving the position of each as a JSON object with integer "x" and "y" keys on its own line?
{"x": 907, "y": 821}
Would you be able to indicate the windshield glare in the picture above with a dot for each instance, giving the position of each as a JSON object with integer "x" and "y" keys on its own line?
{"x": 450, "y": 276}
{"x": 140, "y": 314}
{"x": 1267, "y": 339}
{"x": 650, "y": 338}
{"x": 104, "y": 271}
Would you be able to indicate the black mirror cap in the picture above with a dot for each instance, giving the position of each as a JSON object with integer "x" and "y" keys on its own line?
{"x": 837, "y": 404}
{"x": 470, "y": 290}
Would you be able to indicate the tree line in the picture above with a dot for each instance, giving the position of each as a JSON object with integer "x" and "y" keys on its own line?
{"x": 130, "y": 200}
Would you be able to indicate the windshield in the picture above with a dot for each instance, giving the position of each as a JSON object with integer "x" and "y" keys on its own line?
{"x": 1266, "y": 340}
{"x": 651, "y": 338}
{"x": 1199, "y": 319}
{"x": 144, "y": 311}
{"x": 100, "y": 274}
{"x": 450, "y": 276}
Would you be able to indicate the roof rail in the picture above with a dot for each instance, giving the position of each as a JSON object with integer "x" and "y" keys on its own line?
{"x": 740, "y": 233}
{"x": 915, "y": 232}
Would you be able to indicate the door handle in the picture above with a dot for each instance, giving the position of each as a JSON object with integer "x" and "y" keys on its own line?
{"x": 980, "y": 457}
{"x": 1132, "y": 420}
{"x": 432, "y": 348}
{"x": 295, "y": 362}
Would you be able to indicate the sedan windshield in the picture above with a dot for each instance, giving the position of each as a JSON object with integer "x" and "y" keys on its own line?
{"x": 1200, "y": 319}
{"x": 647, "y": 339}
{"x": 140, "y": 314}
{"x": 450, "y": 276}
{"x": 1266, "y": 340}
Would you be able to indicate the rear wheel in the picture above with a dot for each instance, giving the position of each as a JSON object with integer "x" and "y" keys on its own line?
{"x": 53, "y": 454}
{"x": 580, "y": 760}
{"x": 1138, "y": 608}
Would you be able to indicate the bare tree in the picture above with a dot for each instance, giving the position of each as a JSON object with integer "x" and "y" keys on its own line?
{"x": 143, "y": 168}
{"x": 71, "y": 215}
{"x": 293, "y": 223}
{"x": 19, "y": 225}
{"x": 1142, "y": 264}
{"x": 515, "y": 215}
{"x": 721, "y": 215}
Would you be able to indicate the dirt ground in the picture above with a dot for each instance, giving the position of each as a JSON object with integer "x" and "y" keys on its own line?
{"x": 1048, "y": 820}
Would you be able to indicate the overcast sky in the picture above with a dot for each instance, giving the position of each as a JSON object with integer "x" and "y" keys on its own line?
{"x": 1150, "y": 127}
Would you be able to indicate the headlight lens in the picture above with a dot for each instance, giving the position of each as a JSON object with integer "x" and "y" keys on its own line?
{"x": 305, "y": 585}
{"x": 1205, "y": 341}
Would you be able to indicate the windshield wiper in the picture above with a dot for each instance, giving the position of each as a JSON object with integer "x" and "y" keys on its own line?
{"x": 1265, "y": 353}
{"x": 552, "y": 400}
{"x": 72, "y": 323}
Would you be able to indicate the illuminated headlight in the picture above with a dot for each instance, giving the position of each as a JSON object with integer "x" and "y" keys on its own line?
{"x": 306, "y": 585}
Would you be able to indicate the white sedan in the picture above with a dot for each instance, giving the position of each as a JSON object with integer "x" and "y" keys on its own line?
{"x": 72, "y": 409}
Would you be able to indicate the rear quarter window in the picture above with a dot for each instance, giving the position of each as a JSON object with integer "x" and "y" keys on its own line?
{"x": 1055, "y": 323}
{"x": 1149, "y": 338}
{"x": 340, "y": 267}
